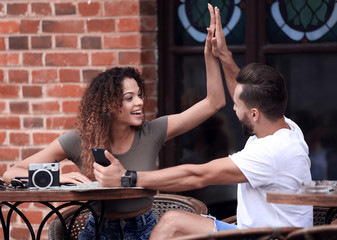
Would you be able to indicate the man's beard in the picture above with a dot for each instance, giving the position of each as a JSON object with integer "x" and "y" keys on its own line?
{"x": 247, "y": 127}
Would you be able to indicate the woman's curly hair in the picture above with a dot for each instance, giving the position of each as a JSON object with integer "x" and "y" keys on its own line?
{"x": 99, "y": 106}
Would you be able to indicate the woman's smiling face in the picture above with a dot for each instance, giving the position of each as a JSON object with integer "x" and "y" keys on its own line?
{"x": 131, "y": 112}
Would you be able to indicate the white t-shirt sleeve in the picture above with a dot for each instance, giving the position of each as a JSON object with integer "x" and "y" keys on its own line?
{"x": 255, "y": 163}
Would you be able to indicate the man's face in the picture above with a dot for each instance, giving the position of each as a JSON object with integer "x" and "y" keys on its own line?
{"x": 242, "y": 112}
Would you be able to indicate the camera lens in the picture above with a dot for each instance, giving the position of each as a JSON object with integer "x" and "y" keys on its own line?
{"x": 42, "y": 178}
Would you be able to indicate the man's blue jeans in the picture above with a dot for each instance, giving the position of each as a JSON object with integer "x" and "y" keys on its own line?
{"x": 139, "y": 227}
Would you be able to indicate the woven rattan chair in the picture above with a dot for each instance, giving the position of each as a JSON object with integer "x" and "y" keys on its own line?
{"x": 162, "y": 203}
{"x": 266, "y": 233}
{"x": 323, "y": 232}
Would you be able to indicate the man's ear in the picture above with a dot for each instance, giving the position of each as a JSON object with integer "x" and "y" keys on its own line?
{"x": 255, "y": 114}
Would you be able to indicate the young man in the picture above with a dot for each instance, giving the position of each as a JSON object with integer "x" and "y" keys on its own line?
{"x": 275, "y": 157}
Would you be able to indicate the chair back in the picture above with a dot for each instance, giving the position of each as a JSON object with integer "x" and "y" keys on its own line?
{"x": 265, "y": 233}
{"x": 162, "y": 203}
{"x": 322, "y": 232}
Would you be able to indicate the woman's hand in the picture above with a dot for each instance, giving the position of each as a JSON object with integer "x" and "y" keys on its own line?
{"x": 109, "y": 176}
{"x": 73, "y": 177}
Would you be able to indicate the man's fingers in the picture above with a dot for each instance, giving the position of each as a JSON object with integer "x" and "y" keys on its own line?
{"x": 218, "y": 25}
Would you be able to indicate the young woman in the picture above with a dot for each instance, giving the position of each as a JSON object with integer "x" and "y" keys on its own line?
{"x": 111, "y": 116}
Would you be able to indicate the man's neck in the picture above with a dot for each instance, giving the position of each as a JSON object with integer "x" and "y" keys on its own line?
{"x": 267, "y": 127}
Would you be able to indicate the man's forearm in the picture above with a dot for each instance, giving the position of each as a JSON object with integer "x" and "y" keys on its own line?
{"x": 180, "y": 178}
{"x": 230, "y": 70}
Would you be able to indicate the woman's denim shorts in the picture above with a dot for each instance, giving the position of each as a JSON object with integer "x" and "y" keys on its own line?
{"x": 139, "y": 227}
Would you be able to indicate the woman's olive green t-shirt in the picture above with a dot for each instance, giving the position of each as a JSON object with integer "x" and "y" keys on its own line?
{"x": 142, "y": 156}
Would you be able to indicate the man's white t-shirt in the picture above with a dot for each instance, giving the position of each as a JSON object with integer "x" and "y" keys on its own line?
{"x": 276, "y": 162}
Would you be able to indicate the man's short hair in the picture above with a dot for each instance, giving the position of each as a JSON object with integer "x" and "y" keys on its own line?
{"x": 264, "y": 88}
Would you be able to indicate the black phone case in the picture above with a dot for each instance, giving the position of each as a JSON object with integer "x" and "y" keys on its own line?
{"x": 99, "y": 156}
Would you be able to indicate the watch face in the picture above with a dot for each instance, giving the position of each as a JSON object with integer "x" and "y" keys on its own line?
{"x": 126, "y": 181}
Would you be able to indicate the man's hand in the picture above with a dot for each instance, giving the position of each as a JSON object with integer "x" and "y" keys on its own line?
{"x": 219, "y": 45}
{"x": 109, "y": 176}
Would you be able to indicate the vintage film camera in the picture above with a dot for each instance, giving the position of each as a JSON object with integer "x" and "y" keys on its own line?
{"x": 43, "y": 175}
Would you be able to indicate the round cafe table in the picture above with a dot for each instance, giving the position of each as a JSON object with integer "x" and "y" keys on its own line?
{"x": 69, "y": 196}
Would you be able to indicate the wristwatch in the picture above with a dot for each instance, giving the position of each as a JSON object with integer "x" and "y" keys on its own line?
{"x": 126, "y": 179}
{"x": 129, "y": 179}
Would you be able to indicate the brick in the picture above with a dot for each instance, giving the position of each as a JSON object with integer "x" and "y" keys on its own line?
{"x": 64, "y": 9}
{"x": 2, "y": 106}
{"x": 63, "y": 26}
{"x": 104, "y": 59}
{"x": 18, "y": 139}
{"x": 147, "y": 8}
{"x": 129, "y": 58}
{"x": 9, "y": 59}
{"x": 19, "y": 107}
{"x": 17, "y": 9}
{"x": 151, "y": 88}
{"x": 9, "y": 153}
{"x": 2, "y": 77}
{"x": 66, "y": 41}
{"x": 101, "y": 25}
{"x": 9, "y": 122}
{"x": 18, "y": 76}
{"x": 32, "y": 122}
{"x": 91, "y": 43}
{"x": 148, "y": 23}
{"x": 44, "y": 138}
{"x": 44, "y": 76}
{"x": 128, "y": 25}
{"x": 151, "y": 105}
{"x": 88, "y": 75}
{"x": 18, "y": 42}
{"x": 69, "y": 75}
{"x": 46, "y": 107}
{"x": 70, "y": 106}
{"x": 34, "y": 217}
{"x": 121, "y": 8}
{"x": 8, "y": 27}
{"x": 42, "y": 42}
{"x": 2, "y": 43}
{"x": 89, "y": 9}
{"x": 3, "y": 169}
{"x": 32, "y": 59}
{"x": 29, "y": 26}
{"x": 65, "y": 90}
{"x": 2, "y": 138}
{"x": 148, "y": 57}
{"x": 149, "y": 40}
{"x": 61, "y": 122}
{"x": 31, "y": 91}
{"x": 122, "y": 42}
{"x": 27, "y": 152}
{"x": 149, "y": 73}
{"x": 41, "y": 9}
{"x": 66, "y": 59}
{"x": 9, "y": 91}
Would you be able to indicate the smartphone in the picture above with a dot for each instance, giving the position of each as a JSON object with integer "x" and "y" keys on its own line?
{"x": 99, "y": 156}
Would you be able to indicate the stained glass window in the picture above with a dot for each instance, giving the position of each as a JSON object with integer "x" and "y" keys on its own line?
{"x": 193, "y": 19}
{"x": 291, "y": 21}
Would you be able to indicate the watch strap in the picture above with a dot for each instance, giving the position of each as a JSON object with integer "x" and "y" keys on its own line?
{"x": 133, "y": 178}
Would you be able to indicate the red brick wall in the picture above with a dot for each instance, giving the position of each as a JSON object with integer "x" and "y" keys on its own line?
{"x": 48, "y": 50}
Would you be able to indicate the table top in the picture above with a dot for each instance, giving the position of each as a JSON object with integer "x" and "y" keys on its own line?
{"x": 302, "y": 197}
{"x": 54, "y": 195}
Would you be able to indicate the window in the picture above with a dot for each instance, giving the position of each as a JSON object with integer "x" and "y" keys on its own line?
{"x": 299, "y": 38}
